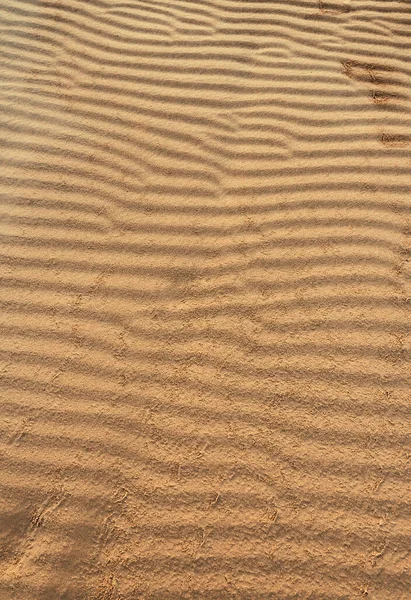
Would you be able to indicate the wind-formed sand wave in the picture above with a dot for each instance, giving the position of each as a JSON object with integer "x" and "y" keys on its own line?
{"x": 205, "y": 299}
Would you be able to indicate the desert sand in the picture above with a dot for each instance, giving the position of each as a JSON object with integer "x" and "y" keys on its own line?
{"x": 205, "y": 300}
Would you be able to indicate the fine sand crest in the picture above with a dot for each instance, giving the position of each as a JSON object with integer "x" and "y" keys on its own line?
{"x": 205, "y": 294}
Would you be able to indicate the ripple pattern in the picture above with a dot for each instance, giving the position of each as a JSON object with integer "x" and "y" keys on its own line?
{"x": 205, "y": 299}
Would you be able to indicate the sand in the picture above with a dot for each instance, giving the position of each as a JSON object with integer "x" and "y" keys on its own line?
{"x": 205, "y": 300}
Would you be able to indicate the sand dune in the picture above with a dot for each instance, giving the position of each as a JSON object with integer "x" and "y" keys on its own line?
{"x": 205, "y": 294}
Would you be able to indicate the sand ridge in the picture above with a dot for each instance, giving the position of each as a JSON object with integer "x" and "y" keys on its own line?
{"x": 205, "y": 299}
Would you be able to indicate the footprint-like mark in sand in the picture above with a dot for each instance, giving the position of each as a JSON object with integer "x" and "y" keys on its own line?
{"x": 367, "y": 72}
{"x": 333, "y": 8}
{"x": 49, "y": 505}
{"x": 378, "y": 79}
{"x": 395, "y": 140}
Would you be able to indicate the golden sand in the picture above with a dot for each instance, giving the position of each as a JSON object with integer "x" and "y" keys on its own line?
{"x": 205, "y": 300}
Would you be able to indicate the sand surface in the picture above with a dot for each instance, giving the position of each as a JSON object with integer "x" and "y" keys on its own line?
{"x": 205, "y": 299}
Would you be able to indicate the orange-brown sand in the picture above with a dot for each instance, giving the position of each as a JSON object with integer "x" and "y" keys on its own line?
{"x": 205, "y": 300}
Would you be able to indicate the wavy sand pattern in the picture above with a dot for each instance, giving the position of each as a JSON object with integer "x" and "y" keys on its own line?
{"x": 205, "y": 299}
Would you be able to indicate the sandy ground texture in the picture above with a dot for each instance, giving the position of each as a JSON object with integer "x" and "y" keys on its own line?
{"x": 205, "y": 300}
